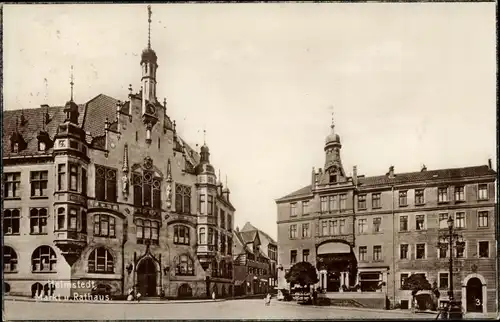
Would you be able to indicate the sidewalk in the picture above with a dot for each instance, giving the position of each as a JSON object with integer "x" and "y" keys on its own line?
{"x": 144, "y": 301}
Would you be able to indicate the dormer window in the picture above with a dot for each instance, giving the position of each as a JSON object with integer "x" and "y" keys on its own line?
{"x": 15, "y": 148}
{"x": 333, "y": 178}
{"x": 42, "y": 146}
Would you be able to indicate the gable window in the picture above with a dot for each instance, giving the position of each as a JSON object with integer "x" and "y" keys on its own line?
{"x": 305, "y": 207}
{"x": 343, "y": 199}
{"x": 101, "y": 261}
{"x": 38, "y": 180}
{"x": 443, "y": 221}
{"x": 333, "y": 178}
{"x": 15, "y": 148}
{"x": 181, "y": 235}
{"x": 419, "y": 197}
{"x": 482, "y": 192}
{"x": 9, "y": 259}
{"x": 376, "y": 200}
{"x": 403, "y": 223}
{"x": 362, "y": 253}
{"x": 12, "y": 184}
{"x": 403, "y": 200}
{"x": 362, "y": 202}
{"x": 104, "y": 225}
{"x": 305, "y": 255}
{"x": 184, "y": 266}
{"x": 293, "y": 231}
{"x": 147, "y": 189}
{"x": 38, "y": 221}
{"x": 420, "y": 254}
{"x": 460, "y": 220}
{"x": 403, "y": 251}
{"x": 332, "y": 200}
{"x": 293, "y": 256}
{"x": 376, "y": 224}
{"x": 11, "y": 221}
{"x": 147, "y": 231}
{"x": 377, "y": 253}
{"x": 362, "y": 226}
{"x": 482, "y": 219}
{"x": 183, "y": 199}
{"x": 459, "y": 193}
{"x": 420, "y": 222}
{"x": 105, "y": 183}
{"x": 324, "y": 204}
{"x": 442, "y": 194}
{"x": 43, "y": 259}
{"x": 484, "y": 249}
{"x": 42, "y": 146}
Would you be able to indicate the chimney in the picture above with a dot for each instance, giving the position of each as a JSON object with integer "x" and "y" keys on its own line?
{"x": 489, "y": 164}
{"x": 355, "y": 175}
{"x": 424, "y": 168}
{"x": 391, "y": 172}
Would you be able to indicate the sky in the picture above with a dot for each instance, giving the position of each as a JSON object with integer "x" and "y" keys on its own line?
{"x": 408, "y": 84}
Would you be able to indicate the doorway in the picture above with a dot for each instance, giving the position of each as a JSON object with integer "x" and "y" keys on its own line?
{"x": 146, "y": 277}
{"x": 474, "y": 295}
{"x": 333, "y": 282}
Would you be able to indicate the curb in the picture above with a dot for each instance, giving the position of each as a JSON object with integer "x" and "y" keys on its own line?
{"x": 21, "y": 299}
{"x": 351, "y": 308}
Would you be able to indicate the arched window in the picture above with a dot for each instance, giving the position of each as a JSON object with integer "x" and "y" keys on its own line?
{"x": 9, "y": 259}
{"x": 184, "y": 266}
{"x": 36, "y": 290}
{"x": 202, "y": 236}
{"x": 104, "y": 225}
{"x": 101, "y": 261}
{"x": 147, "y": 189}
{"x": 38, "y": 221}
{"x": 181, "y": 235}
{"x": 43, "y": 259}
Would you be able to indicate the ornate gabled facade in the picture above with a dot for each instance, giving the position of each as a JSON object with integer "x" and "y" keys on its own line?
{"x": 367, "y": 234}
{"x": 107, "y": 191}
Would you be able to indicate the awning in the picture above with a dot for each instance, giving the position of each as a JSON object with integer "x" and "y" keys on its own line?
{"x": 238, "y": 283}
{"x": 264, "y": 280}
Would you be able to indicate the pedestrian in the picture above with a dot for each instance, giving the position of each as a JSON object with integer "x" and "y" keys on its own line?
{"x": 267, "y": 299}
{"x": 138, "y": 297}
{"x": 315, "y": 297}
{"x": 213, "y": 295}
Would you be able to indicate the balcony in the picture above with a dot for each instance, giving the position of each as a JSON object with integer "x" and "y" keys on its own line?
{"x": 205, "y": 252}
{"x": 71, "y": 244}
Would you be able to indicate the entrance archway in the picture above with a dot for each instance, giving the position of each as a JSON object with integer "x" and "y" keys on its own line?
{"x": 337, "y": 265}
{"x": 146, "y": 277}
{"x": 474, "y": 295}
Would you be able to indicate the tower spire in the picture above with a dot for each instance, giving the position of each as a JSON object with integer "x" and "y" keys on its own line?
{"x": 204, "y": 137}
{"x": 333, "y": 120}
{"x": 149, "y": 26}
{"x": 72, "y": 83}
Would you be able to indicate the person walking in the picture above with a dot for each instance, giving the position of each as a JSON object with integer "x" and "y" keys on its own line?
{"x": 213, "y": 295}
{"x": 267, "y": 299}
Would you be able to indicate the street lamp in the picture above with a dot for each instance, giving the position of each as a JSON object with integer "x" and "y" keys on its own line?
{"x": 451, "y": 240}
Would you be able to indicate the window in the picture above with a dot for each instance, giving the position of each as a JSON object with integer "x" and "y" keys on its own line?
{"x": 183, "y": 199}
{"x": 305, "y": 255}
{"x": 230, "y": 248}
{"x": 210, "y": 205}
{"x": 377, "y": 253}
{"x": 181, "y": 235}
{"x": 223, "y": 244}
{"x": 459, "y": 193}
{"x": 362, "y": 253}
{"x": 460, "y": 251}
{"x": 376, "y": 200}
{"x": 229, "y": 222}
{"x": 332, "y": 200}
{"x": 343, "y": 199}
{"x": 61, "y": 218}
{"x": 333, "y": 178}
{"x": 43, "y": 259}
{"x": 403, "y": 198}
{"x": 324, "y": 228}
{"x": 15, "y": 148}
{"x": 293, "y": 256}
{"x": 73, "y": 214}
{"x": 105, "y": 183}
{"x": 84, "y": 181}
{"x": 306, "y": 232}
{"x": 420, "y": 254}
{"x": 482, "y": 192}
{"x": 202, "y": 236}
{"x": 39, "y": 183}
{"x": 419, "y": 196}
{"x": 324, "y": 204}
{"x": 101, "y": 261}
{"x": 402, "y": 279}
{"x": 147, "y": 231}
{"x": 9, "y": 259}
{"x": 216, "y": 241}
{"x": 443, "y": 252}
{"x": 73, "y": 177}
{"x": 12, "y": 183}
{"x": 460, "y": 220}
{"x": 443, "y": 194}
{"x": 210, "y": 237}
{"x": 376, "y": 224}
{"x": 444, "y": 281}
{"x": 61, "y": 177}
{"x": 403, "y": 223}
{"x": 305, "y": 207}
{"x": 104, "y": 225}
{"x": 11, "y": 221}
{"x": 484, "y": 249}
{"x": 41, "y": 146}
{"x": 369, "y": 282}
{"x": 482, "y": 219}
{"x": 293, "y": 231}
{"x": 443, "y": 221}
{"x": 361, "y": 226}
{"x": 333, "y": 227}
{"x": 222, "y": 219}
{"x": 201, "y": 204}
{"x": 147, "y": 189}
{"x": 420, "y": 222}
{"x": 362, "y": 202}
{"x": 293, "y": 209}
{"x": 184, "y": 266}
{"x": 342, "y": 226}
{"x": 38, "y": 221}
{"x": 403, "y": 251}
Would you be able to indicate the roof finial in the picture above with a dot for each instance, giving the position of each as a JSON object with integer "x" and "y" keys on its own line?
{"x": 46, "y": 82}
{"x": 226, "y": 180}
{"x": 72, "y": 83}
{"x": 149, "y": 26}
{"x": 204, "y": 137}
{"x": 333, "y": 120}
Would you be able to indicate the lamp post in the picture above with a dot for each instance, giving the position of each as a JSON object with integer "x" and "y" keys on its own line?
{"x": 451, "y": 240}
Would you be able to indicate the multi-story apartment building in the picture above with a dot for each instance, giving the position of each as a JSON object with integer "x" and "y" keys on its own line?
{"x": 106, "y": 191}
{"x": 269, "y": 247}
{"x": 251, "y": 265}
{"x": 374, "y": 232}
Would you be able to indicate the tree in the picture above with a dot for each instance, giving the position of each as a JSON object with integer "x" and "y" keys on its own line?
{"x": 416, "y": 283}
{"x": 303, "y": 274}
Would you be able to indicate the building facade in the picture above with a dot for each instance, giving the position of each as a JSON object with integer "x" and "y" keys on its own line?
{"x": 369, "y": 233}
{"x": 108, "y": 192}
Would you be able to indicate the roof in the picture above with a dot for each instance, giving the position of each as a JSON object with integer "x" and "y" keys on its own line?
{"x": 240, "y": 239}
{"x": 249, "y": 227}
{"x": 248, "y": 236}
{"x": 409, "y": 177}
{"x": 99, "y": 109}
